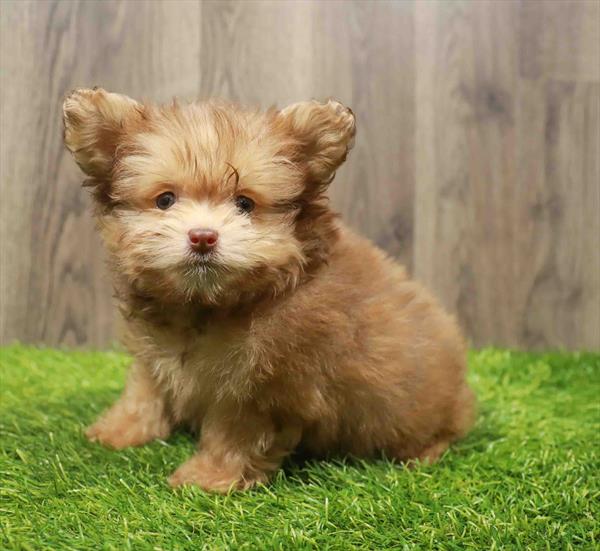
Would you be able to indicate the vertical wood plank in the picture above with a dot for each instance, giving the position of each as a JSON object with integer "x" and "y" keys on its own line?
{"x": 571, "y": 39}
{"x": 54, "y": 286}
{"x": 256, "y": 52}
{"x": 560, "y": 39}
{"x": 562, "y": 304}
{"x": 50, "y": 292}
{"x": 364, "y": 55}
{"x": 558, "y": 184}
{"x": 466, "y": 69}
{"x": 443, "y": 183}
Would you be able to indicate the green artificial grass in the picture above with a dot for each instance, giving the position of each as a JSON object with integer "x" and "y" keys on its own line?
{"x": 525, "y": 478}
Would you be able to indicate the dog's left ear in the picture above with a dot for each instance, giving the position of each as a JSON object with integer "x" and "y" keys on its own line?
{"x": 324, "y": 133}
{"x": 95, "y": 121}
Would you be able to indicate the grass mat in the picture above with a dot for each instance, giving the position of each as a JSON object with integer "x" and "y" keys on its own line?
{"x": 525, "y": 478}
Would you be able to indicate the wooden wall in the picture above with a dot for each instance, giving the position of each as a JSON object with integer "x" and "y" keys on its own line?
{"x": 476, "y": 164}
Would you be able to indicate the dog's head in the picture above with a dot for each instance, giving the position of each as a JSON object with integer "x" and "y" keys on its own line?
{"x": 208, "y": 201}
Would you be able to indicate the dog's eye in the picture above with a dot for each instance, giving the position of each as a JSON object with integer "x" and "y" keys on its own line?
{"x": 165, "y": 200}
{"x": 244, "y": 204}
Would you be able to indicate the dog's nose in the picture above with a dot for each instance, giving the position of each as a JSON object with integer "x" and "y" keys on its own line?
{"x": 203, "y": 240}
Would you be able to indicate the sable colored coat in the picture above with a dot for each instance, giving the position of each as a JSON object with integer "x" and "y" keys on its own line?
{"x": 253, "y": 314}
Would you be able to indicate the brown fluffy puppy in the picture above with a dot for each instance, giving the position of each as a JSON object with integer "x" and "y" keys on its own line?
{"x": 253, "y": 314}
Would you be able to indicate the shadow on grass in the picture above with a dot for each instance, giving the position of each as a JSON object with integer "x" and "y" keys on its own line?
{"x": 301, "y": 465}
{"x": 68, "y": 414}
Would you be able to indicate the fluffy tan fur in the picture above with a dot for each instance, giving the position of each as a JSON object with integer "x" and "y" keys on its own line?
{"x": 295, "y": 332}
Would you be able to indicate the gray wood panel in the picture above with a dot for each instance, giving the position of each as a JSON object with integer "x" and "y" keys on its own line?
{"x": 476, "y": 162}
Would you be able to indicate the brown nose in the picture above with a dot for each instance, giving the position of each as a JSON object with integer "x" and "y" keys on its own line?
{"x": 203, "y": 240}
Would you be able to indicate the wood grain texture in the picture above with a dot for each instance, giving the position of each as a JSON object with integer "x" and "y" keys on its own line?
{"x": 476, "y": 162}
{"x": 466, "y": 158}
{"x": 507, "y": 170}
{"x": 54, "y": 286}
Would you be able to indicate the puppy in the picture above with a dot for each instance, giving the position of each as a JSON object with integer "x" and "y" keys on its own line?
{"x": 254, "y": 316}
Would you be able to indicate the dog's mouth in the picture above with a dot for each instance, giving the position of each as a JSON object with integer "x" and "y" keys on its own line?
{"x": 201, "y": 259}
{"x": 202, "y": 268}
{"x": 202, "y": 263}
{"x": 201, "y": 271}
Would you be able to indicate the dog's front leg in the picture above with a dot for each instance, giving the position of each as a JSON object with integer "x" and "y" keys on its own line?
{"x": 239, "y": 447}
{"x": 139, "y": 416}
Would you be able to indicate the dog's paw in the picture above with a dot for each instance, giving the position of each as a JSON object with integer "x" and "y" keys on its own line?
{"x": 203, "y": 472}
{"x": 119, "y": 430}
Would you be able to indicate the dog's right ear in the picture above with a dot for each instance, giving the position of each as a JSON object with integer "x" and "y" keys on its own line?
{"x": 95, "y": 121}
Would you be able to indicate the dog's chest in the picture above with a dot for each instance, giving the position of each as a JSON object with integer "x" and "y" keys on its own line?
{"x": 194, "y": 365}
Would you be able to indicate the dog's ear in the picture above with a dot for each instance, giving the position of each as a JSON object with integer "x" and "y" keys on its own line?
{"x": 95, "y": 122}
{"x": 324, "y": 133}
